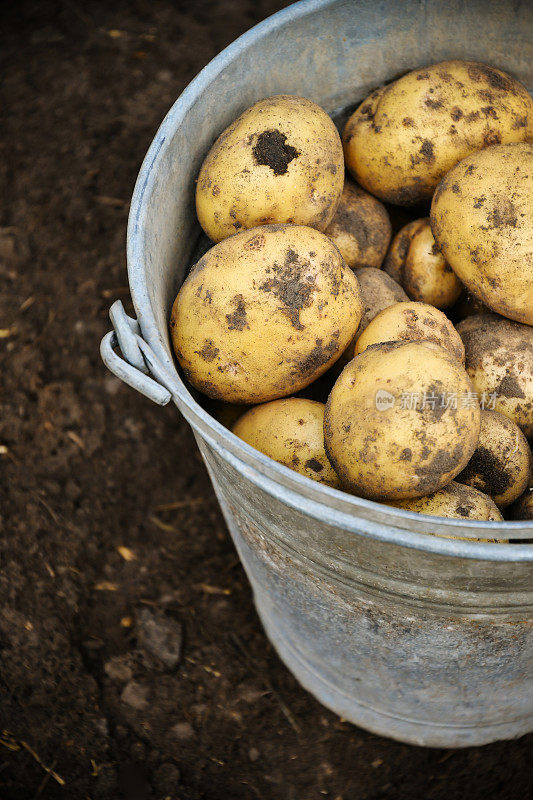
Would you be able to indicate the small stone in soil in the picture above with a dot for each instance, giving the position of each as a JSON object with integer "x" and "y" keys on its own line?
{"x": 161, "y": 636}
{"x": 118, "y": 670}
{"x": 135, "y": 695}
{"x": 183, "y": 731}
{"x": 102, "y": 726}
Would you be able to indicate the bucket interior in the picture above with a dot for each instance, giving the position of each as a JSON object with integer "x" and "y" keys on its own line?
{"x": 333, "y": 52}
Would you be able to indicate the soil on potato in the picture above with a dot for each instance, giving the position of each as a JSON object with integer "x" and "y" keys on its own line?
{"x": 133, "y": 664}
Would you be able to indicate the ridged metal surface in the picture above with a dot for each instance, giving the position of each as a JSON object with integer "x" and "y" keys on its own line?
{"x": 409, "y": 634}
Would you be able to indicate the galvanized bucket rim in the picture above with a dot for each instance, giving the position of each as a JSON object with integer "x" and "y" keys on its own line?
{"x": 334, "y": 503}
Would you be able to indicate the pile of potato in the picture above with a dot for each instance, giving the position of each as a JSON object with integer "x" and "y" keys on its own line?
{"x": 396, "y": 368}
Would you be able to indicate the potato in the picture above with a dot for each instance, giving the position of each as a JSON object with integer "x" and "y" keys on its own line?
{"x": 361, "y": 227}
{"x": 280, "y": 161}
{"x": 407, "y": 322}
{"x": 417, "y": 264}
{"x": 378, "y": 291}
{"x": 291, "y": 432}
{"x": 501, "y": 464}
{"x": 405, "y": 136}
{"x": 394, "y": 263}
{"x": 392, "y": 430}
{"x": 523, "y": 508}
{"x": 455, "y": 501}
{"x": 482, "y": 220}
{"x": 264, "y": 313}
{"x": 499, "y": 360}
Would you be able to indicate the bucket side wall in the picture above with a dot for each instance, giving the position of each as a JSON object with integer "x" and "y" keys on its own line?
{"x": 430, "y": 672}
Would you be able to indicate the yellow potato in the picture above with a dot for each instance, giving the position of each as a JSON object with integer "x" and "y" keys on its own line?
{"x": 394, "y": 263}
{"x": 264, "y": 313}
{"x": 417, "y": 264}
{"x": 501, "y": 464}
{"x": 290, "y": 431}
{"x": 396, "y": 425}
{"x": 361, "y": 227}
{"x": 482, "y": 220}
{"x": 455, "y": 501}
{"x": 407, "y": 322}
{"x": 499, "y": 360}
{"x": 280, "y": 161}
{"x": 405, "y": 136}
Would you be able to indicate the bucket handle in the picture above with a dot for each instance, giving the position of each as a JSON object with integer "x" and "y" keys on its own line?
{"x": 139, "y": 360}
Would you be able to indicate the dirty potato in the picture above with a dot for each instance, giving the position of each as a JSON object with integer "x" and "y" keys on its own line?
{"x": 388, "y": 433}
{"x": 280, "y": 161}
{"x": 455, "y": 501}
{"x": 361, "y": 227}
{"x": 501, "y": 464}
{"x": 405, "y": 136}
{"x": 290, "y": 431}
{"x": 264, "y": 313}
{"x": 427, "y": 276}
{"x": 378, "y": 291}
{"x": 499, "y": 360}
{"x": 417, "y": 264}
{"x": 394, "y": 263}
{"x": 482, "y": 220}
{"x": 408, "y": 322}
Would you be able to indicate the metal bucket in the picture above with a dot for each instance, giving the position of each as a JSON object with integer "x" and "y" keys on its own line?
{"x": 408, "y": 634}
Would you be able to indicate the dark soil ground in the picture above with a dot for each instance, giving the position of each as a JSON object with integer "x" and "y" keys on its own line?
{"x": 111, "y": 535}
